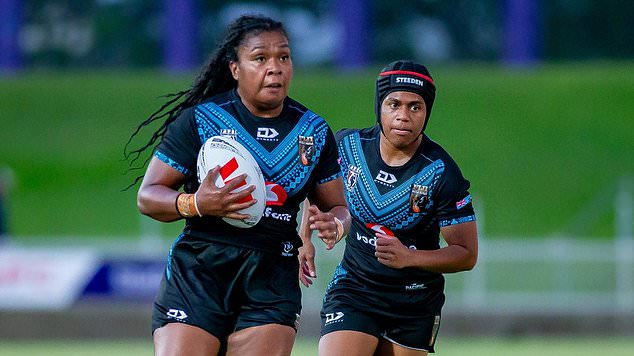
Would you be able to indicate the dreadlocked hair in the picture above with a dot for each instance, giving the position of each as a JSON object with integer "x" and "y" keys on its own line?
{"x": 214, "y": 78}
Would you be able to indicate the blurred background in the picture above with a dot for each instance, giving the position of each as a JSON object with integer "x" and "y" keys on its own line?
{"x": 535, "y": 102}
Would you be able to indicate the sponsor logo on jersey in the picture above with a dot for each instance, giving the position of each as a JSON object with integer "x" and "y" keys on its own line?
{"x": 418, "y": 198}
{"x": 351, "y": 177}
{"x": 462, "y": 203}
{"x": 386, "y": 178}
{"x": 287, "y": 247}
{"x": 306, "y": 149}
{"x": 408, "y": 80}
{"x": 176, "y": 314}
{"x": 229, "y": 133}
{"x": 366, "y": 240}
{"x": 267, "y": 134}
{"x": 415, "y": 286}
{"x": 275, "y": 194}
{"x": 269, "y": 213}
{"x": 335, "y": 317}
{"x": 379, "y": 228}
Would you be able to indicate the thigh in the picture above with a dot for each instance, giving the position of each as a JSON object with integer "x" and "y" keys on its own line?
{"x": 342, "y": 316}
{"x": 347, "y": 343}
{"x": 414, "y": 333}
{"x": 387, "y": 348}
{"x": 196, "y": 288}
{"x": 345, "y": 308}
{"x": 269, "y": 292}
{"x": 407, "y": 319}
{"x": 413, "y": 319}
{"x": 181, "y": 339}
{"x": 263, "y": 340}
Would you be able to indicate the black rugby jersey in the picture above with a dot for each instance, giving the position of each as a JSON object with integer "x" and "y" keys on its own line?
{"x": 275, "y": 143}
{"x": 412, "y": 202}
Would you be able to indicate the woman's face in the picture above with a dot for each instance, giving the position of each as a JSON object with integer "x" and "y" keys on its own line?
{"x": 402, "y": 118}
{"x": 263, "y": 71}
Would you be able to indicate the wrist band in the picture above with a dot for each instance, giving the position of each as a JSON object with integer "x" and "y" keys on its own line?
{"x": 339, "y": 229}
{"x": 185, "y": 205}
{"x": 196, "y": 204}
{"x": 176, "y": 205}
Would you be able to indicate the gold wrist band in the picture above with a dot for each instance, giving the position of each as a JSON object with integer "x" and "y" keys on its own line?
{"x": 185, "y": 205}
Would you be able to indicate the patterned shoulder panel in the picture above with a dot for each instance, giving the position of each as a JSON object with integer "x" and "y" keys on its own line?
{"x": 177, "y": 166}
{"x": 397, "y": 209}
{"x": 293, "y": 159}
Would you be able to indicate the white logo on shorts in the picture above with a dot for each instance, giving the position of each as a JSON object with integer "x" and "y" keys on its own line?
{"x": 176, "y": 314}
{"x": 287, "y": 249}
{"x": 333, "y": 318}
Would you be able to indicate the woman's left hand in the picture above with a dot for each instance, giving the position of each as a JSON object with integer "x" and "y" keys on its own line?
{"x": 391, "y": 252}
{"x": 325, "y": 225}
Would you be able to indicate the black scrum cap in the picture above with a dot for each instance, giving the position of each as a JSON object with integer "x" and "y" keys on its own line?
{"x": 405, "y": 76}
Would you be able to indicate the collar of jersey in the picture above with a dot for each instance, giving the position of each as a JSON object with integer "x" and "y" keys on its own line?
{"x": 267, "y": 160}
{"x": 367, "y": 179}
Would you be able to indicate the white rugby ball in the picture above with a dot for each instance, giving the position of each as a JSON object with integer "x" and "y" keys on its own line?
{"x": 234, "y": 159}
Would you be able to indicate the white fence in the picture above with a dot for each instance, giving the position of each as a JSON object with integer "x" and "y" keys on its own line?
{"x": 562, "y": 274}
{"x": 529, "y": 274}
{"x": 512, "y": 274}
{"x": 542, "y": 273}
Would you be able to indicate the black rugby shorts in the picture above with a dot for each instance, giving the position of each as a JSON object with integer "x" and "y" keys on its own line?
{"x": 222, "y": 288}
{"x": 408, "y": 318}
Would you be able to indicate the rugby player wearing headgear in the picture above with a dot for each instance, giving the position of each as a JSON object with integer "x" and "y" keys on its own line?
{"x": 403, "y": 191}
{"x": 227, "y": 289}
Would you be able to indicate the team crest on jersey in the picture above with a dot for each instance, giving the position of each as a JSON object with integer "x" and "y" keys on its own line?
{"x": 418, "y": 198}
{"x": 229, "y": 133}
{"x": 351, "y": 177}
{"x": 306, "y": 149}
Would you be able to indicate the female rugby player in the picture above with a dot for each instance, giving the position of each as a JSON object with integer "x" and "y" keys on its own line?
{"x": 227, "y": 289}
{"x": 403, "y": 191}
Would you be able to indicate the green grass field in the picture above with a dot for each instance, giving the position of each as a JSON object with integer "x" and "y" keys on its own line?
{"x": 538, "y": 145}
{"x": 449, "y": 347}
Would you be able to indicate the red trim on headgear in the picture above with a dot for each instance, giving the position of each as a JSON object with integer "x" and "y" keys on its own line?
{"x": 407, "y": 72}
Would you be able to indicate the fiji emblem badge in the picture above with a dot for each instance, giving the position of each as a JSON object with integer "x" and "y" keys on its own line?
{"x": 418, "y": 198}
{"x": 352, "y": 176}
{"x": 306, "y": 149}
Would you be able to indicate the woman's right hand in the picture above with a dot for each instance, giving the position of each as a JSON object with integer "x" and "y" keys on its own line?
{"x": 221, "y": 201}
{"x": 324, "y": 223}
{"x": 306, "y": 256}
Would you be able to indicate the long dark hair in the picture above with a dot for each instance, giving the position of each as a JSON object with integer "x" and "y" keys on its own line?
{"x": 214, "y": 77}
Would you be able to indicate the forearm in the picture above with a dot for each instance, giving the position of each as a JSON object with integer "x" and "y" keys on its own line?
{"x": 460, "y": 254}
{"x": 304, "y": 228}
{"x": 158, "y": 202}
{"x": 450, "y": 259}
